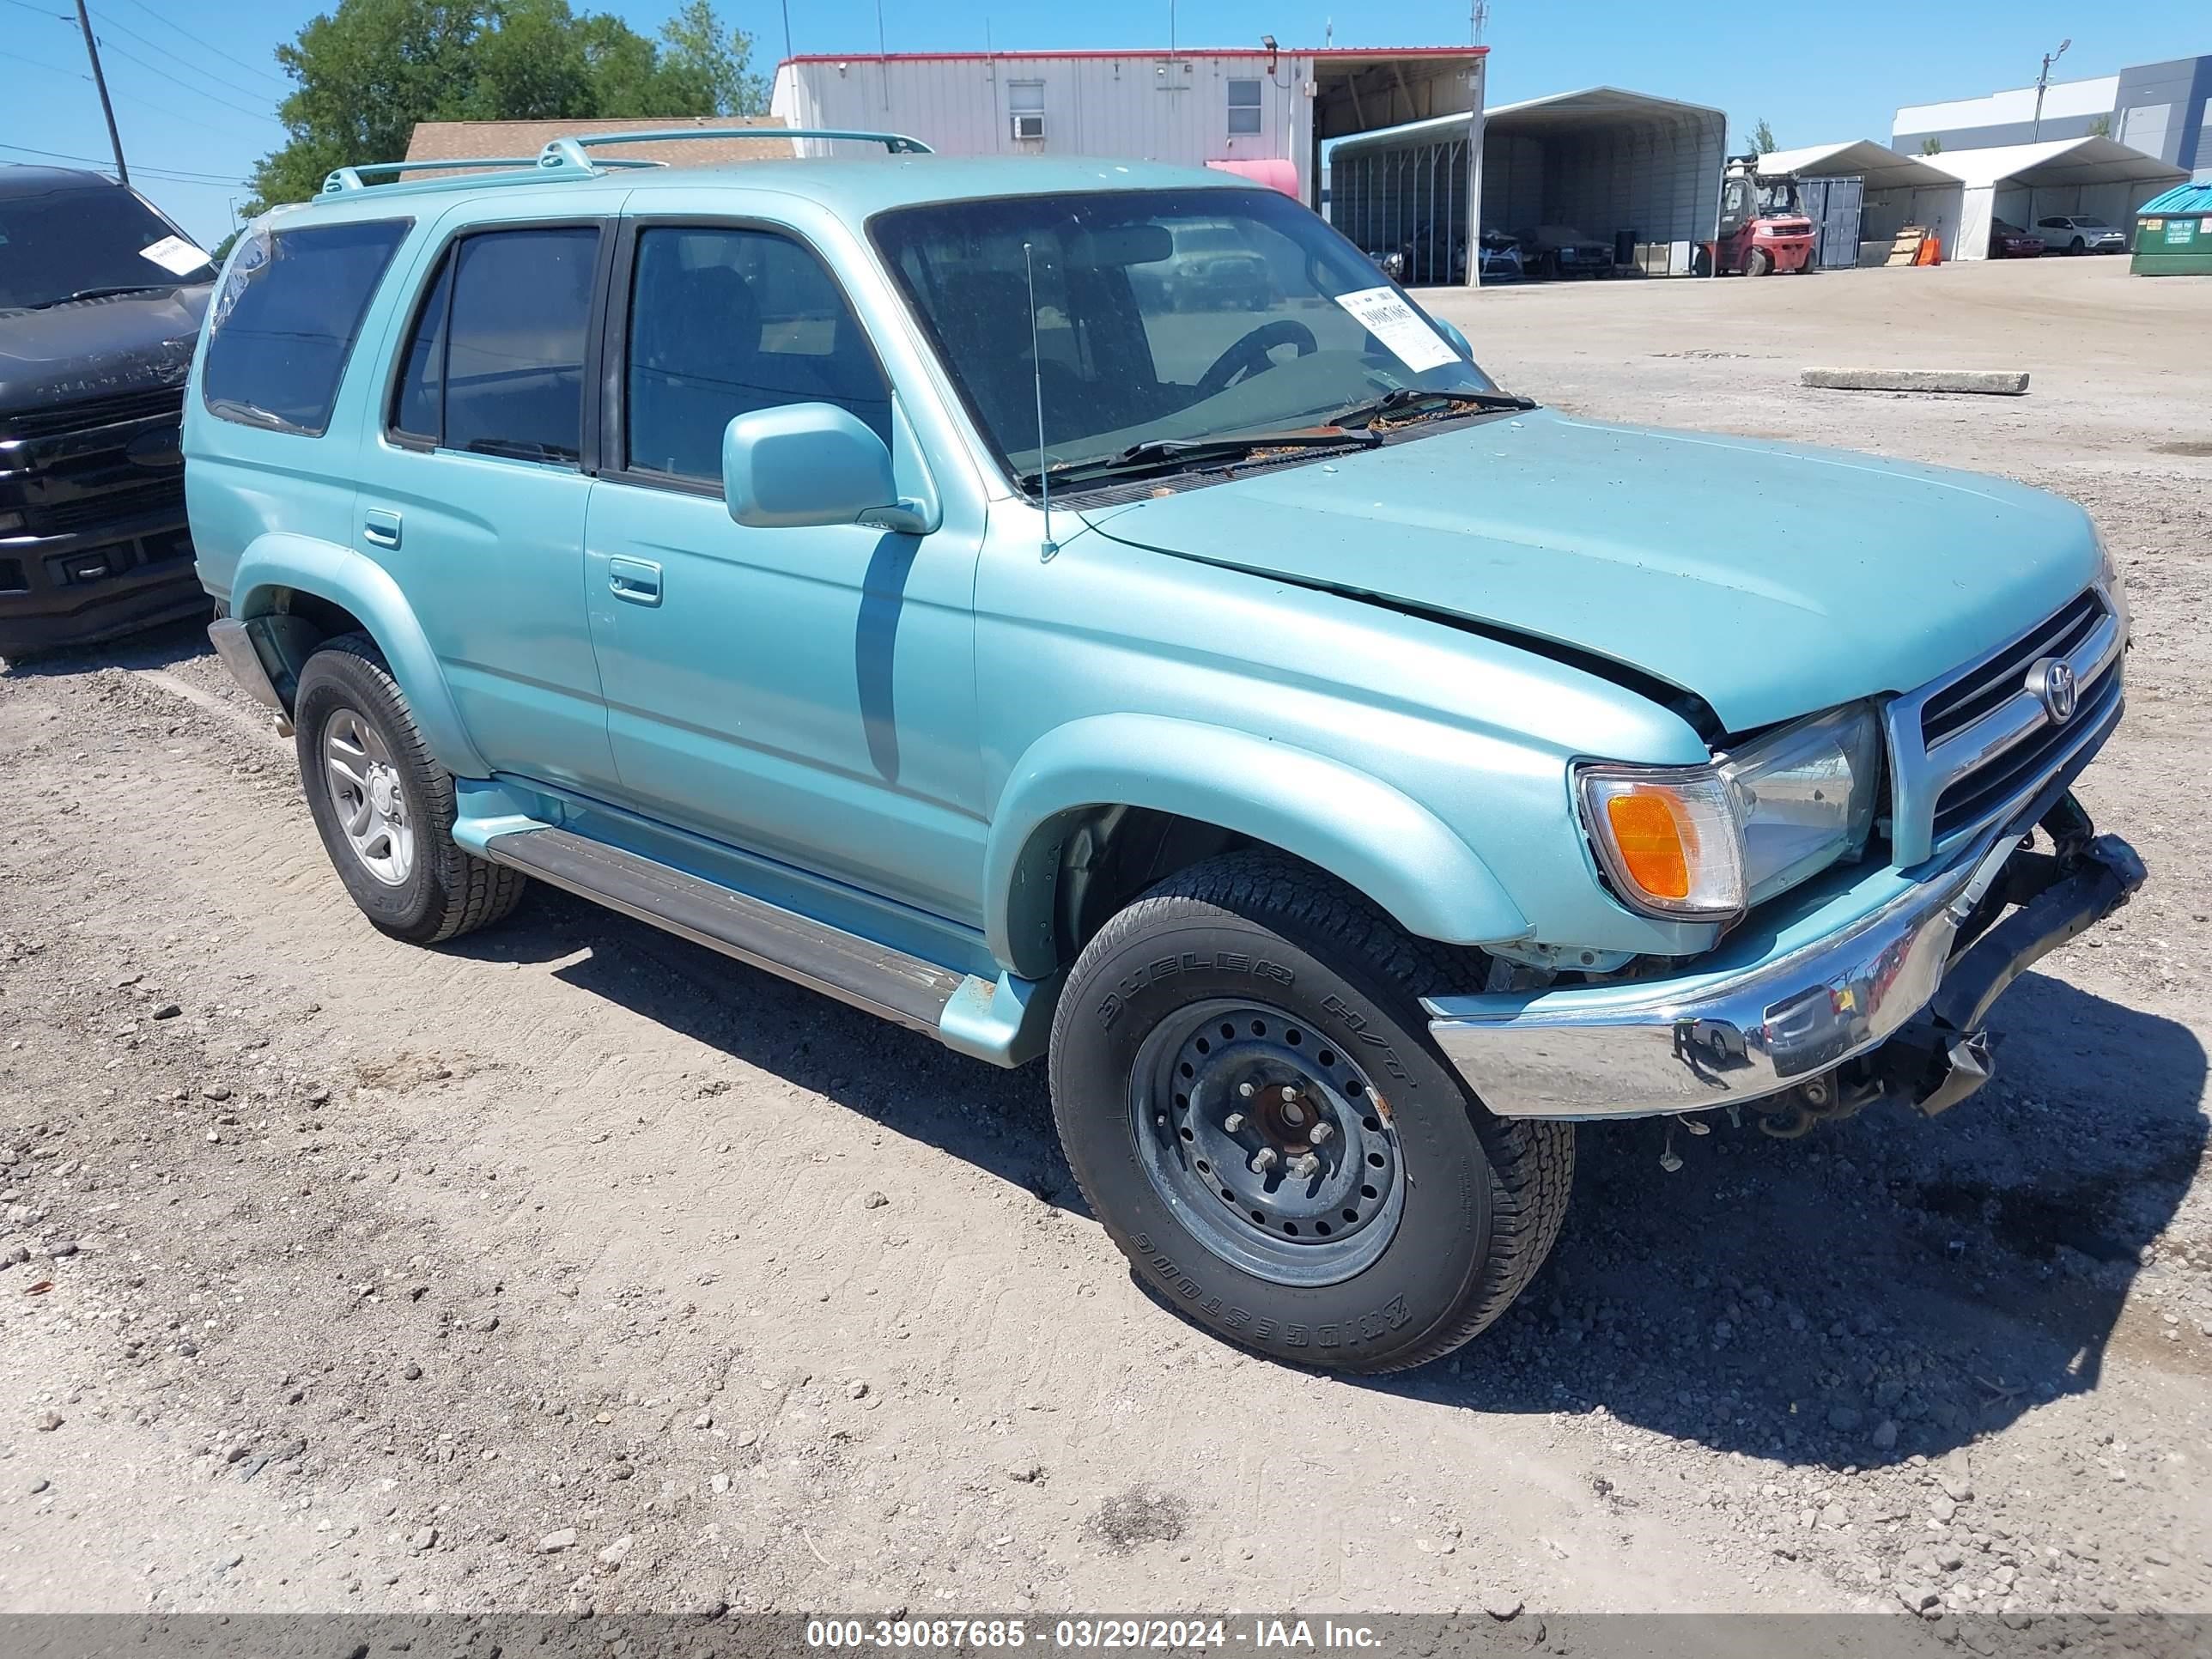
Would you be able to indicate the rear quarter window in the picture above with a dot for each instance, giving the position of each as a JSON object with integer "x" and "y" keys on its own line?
{"x": 285, "y": 320}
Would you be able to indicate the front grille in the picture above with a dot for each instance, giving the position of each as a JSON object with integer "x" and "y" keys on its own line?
{"x": 110, "y": 506}
{"x": 92, "y": 412}
{"x": 1968, "y": 801}
{"x": 1975, "y": 747}
{"x": 1997, "y": 682}
{"x": 71, "y": 469}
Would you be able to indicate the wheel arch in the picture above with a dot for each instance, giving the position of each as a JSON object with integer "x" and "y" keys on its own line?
{"x": 294, "y": 592}
{"x": 1193, "y": 790}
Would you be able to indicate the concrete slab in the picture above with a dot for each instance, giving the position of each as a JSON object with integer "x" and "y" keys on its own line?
{"x": 2000, "y": 382}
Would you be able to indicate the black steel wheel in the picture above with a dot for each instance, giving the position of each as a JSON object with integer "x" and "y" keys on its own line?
{"x": 1246, "y": 1089}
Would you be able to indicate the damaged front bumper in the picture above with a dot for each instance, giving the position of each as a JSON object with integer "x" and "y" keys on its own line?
{"x": 1903, "y": 991}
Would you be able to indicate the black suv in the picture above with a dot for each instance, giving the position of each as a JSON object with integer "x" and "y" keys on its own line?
{"x": 100, "y": 302}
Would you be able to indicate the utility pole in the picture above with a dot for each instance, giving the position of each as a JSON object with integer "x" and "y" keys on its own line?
{"x": 2041, "y": 81}
{"x": 787, "y": 28}
{"x": 100, "y": 81}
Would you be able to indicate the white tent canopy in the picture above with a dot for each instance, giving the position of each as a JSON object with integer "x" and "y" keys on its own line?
{"x": 2020, "y": 183}
{"x": 1881, "y": 166}
{"x": 1897, "y": 190}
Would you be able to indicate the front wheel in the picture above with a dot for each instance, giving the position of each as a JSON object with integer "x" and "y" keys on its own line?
{"x": 1760, "y": 263}
{"x": 1244, "y": 1086}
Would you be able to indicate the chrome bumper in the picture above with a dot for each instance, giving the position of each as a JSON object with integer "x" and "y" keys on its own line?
{"x": 1642, "y": 1048}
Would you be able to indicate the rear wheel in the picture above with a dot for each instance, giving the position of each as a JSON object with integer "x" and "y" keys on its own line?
{"x": 2077, "y": 245}
{"x": 1244, "y": 1085}
{"x": 384, "y": 807}
{"x": 1760, "y": 264}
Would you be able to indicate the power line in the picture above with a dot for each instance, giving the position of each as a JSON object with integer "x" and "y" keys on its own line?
{"x": 172, "y": 174}
{"x": 217, "y": 50}
{"x": 109, "y": 23}
{"x": 51, "y": 68}
{"x": 186, "y": 86}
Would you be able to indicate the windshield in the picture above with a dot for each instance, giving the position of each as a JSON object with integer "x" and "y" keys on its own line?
{"x": 1137, "y": 345}
{"x": 1776, "y": 200}
{"x": 79, "y": 238}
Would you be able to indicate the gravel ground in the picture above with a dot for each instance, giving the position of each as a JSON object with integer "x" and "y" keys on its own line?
{"x": 573, "y": 1267}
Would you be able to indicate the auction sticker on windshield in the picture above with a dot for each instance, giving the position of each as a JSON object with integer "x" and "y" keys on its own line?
{"x": 1399, "y": 326}
{"x": 174, "y": 255}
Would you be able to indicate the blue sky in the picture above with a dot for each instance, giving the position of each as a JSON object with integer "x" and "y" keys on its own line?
{"x": 195, "y": 84}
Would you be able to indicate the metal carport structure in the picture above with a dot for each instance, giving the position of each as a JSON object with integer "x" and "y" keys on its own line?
{"x": 1601, "y": 160}
{"x": 1895, "y": 190}
{"x": 2021, "y": 183}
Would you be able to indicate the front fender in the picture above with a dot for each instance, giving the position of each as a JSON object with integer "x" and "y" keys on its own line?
{"x": 279, "y": 560}
{"x": 1356, "y": 827}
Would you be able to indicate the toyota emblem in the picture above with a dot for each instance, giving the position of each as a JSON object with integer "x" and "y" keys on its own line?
{"x": 2050, "y": 683}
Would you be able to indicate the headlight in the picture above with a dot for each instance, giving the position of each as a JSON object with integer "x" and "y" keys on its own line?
{"x": 1805, "y": 796}
{"x": 2114, "y": 584}
{"x": 1707, "y": 842}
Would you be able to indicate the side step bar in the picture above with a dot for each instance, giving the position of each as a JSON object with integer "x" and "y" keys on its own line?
{"x": 1004, "y": 1022}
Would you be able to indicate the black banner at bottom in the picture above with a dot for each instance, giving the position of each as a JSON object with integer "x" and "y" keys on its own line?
{"x": 993, "y": 1636}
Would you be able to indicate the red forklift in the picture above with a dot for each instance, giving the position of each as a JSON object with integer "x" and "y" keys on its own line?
{"x": 1763, "y": 225}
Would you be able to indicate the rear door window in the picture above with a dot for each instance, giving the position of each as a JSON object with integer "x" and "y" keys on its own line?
{"x": 283, "y": 326}
{"x": 514, "y": 343}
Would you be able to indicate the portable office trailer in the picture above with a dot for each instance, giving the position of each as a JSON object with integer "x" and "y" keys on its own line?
{"x": 1240, "y": 108}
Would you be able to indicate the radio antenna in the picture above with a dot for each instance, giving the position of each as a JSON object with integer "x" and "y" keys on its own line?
{"x": 1037, "y": 375}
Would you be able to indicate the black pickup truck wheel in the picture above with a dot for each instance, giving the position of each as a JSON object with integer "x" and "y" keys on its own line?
{"x": 384, "y": 807}
{"x": 1246, "y": 1090}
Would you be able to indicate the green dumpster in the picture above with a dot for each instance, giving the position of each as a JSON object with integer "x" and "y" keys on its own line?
{"x": 2173, "y": 233}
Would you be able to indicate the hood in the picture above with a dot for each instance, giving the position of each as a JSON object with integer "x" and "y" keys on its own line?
{"x": 1770, "y": 580}
{"x": 89, "y": 348}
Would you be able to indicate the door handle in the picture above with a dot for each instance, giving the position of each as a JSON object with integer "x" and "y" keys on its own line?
{"x": 380, "y": 527}
{"x": 637, "y": 580}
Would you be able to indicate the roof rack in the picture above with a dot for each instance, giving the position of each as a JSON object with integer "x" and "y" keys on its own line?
{"x": 570, "y": 158}
{"x": 571, "y": 151}
{"x": 345, "y": 178}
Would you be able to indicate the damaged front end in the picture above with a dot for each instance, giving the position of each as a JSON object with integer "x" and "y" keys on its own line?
{"x": 1891, "y": 1007}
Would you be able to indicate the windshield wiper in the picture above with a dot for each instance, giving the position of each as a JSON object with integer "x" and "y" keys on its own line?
{"x": 104, "y": 293}
{"x": 1408, "y": 398}
{"x": 1157, "y": 452}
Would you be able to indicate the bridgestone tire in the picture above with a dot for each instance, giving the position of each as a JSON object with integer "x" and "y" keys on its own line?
{"x": 1483, "y": 1198}
{"x": 447, "y": 891}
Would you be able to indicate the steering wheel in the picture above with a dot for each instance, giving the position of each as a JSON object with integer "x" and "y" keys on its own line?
{"x": 1250, "y": 355}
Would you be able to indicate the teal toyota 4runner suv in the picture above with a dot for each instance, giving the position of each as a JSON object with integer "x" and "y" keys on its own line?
{"x": 1349, "y": 775}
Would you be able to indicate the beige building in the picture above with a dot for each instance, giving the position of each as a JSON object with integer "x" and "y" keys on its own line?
{"x": 521, "y": 141}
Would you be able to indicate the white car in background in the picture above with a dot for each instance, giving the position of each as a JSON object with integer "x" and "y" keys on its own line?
{"x": 2080, "y": 232}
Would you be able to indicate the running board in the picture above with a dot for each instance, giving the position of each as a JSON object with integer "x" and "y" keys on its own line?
{"x": 1004, "y": 1022}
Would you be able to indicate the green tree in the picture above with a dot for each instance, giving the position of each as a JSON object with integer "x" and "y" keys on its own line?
{"x": 704, "y": 62}
{"x": 530, "y": 64}
{"x": 1762, "y": 138}
{"x": 362, "y": 77}
{"x": 2101, "y": 127}
{"x": 1931, "y": 145}
{"x": 366, "y": 72}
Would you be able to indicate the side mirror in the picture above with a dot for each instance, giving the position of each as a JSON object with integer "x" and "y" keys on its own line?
{"x": 811, "y": 463}
{"x": 1454, "y": 338}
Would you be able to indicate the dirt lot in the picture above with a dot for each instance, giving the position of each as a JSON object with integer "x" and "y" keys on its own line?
{"x": 574, "y": 1266}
